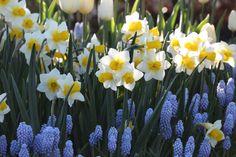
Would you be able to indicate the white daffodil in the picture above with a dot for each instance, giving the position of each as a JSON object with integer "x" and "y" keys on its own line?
{"x": 137, "y": 57}
{"x": 4, "y": 108}
{"x": 16, "y": 32}
{"x": 95, "y": 43}
{"x": 134, "y": 24}
{"x": 207, "y": 56}
{"x": 71, "y": 88}
{"x": 28, "y": 22}
{"x": 174, "y": 45}
{"x": 57, "y": 35}
{"x": 31, "y": 39}
{"x": 214, "y": 134}
{"x": 16, "y": 11}
{"x": 107, "y": 77}
{"x": 228, "y": 52}
{"x": 4, "y": 6}
{"x": 185, "y": 63}
{"x": 49, "y": 85}
{"x": 211, "y": 32}
{"x": 154, "y": 65}
{"x": 83, "y": 59}
{"x": 115, "y": 60}
{"x": 129, "y": 77}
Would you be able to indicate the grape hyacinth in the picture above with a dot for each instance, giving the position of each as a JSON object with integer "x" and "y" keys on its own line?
{"x": 80, "y": 155}
{"x": 175, "y": 104}
{"x": 96, "y": 135}
{"x": 126, "y": 141}
{"x": 195, "y": 104}
{"x": 68, "y": 150}
{"x": 69, "y": 124}
{"x": 228, "y": 125}
{"x": 52, "y": 121}
{"x": 3, "y": 145}
{"x": 56, "y": 152}
{"x": 221, "y": 95}
{"x": 205, "y": 149}
{"x": 227, "y": 143}
{"x": 178, "y": 147}
{"x": 131, "y": 109}
{"x": 148, "y": 115}
{"x": 231, "y": 109}
{"x": 24, "y": 151}
{"x": 190, "y": 146}
{"x": 179, "y": 128}
{"x": 78, "y": 30}
{"x": 119, "y": 114}
{"x": 14, "y": 148}
{"x": 204, "y": 117}
{"x": 197, "y": 119}
{"x": 165, "y": 119}
{"x": 186, "y": 96}
{"x": 204, "y": 101}
{"x": 25, "y": 134}
{"x": 112, "y": 139}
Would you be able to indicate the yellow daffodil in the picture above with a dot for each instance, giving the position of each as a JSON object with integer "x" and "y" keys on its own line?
{"x": 83, "y": 61}
{"x": 28, "y": 22}
{"x": 32, "y": 39}
{"x": 107, "y": 77}
{"x": 115, "y": 60}
{"x": 154, "y": 65}
{"x": 57, "y": 35}
{"x": 129, "y": 76}
{"x": 49, "y": 85}
{"x": 95, "y": 43}
{"x": 16, "y": 11}
{"x": 214, "y": 134}
{"x": 4, "y": 108}
{"x": 71, "y": 88}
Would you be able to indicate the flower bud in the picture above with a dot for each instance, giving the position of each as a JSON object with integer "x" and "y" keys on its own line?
{"x": 105, "y": 10}
{"x": 210, "y": 29}
{"x": 203, "y": 1}
{"x": 86, "y": 6}
{"x": 69, "y": 6}
{"x": 232, "y": 21}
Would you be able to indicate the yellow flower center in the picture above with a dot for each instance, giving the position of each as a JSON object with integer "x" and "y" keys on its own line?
{"x": 117, "y": 64}
{"x": 4, "y": 2}
{"x": 135, "y": 26}
{"x": 191, "y": 46}
{"x": 3, "y": 106}
{"x": 155, "y": 44}
{"x": 154, "y": 31}
{"x": 128, "y": 77}
{"x": 106, "y": 76}
{"x": 227, "y": 54}
{"x": 154, "y": 65}
{"x": 137, "y": 61}
{"x": 175, "y": 43}
{"x": 76, "y": 88}
{"x": 53, "y": 86}
{"x": 16, "y": 33}
{"x": 208, "y": 55}
{"x": 33, "y": 42}
{"x": 100, "y": 48}
{"x": 27, "y": 23}
{"x": 188, "y": 62}
{"x": 216, "y": 134}
{"x": 18, "y": 11}
{"x": 60, "y": 36}
{"x": 85, "y": 61}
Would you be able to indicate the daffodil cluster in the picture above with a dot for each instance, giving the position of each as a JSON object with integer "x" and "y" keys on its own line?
{"x": 56, "y": 85}
{"x": 25, "y": 27}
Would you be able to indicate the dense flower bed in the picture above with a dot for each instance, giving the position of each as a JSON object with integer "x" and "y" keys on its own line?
{"x": 131, "y": 89}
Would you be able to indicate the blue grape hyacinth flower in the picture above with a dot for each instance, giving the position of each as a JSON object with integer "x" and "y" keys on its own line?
{"x": 25, "y": 134}
{"x": 68, "y": 150}
{"x": 69, "y": 124}
{"x": 126, "y": 141}
{"x": 205, "y": 149}
{"x": 148, "y": 115}
{"x": 190, "y": 146}
{"x": 178, "y": 147}
{"x": 3, "y": 145}
{"x": 220, "y": 91}
{"x": 227, "y": 143}
{"x": 165, "y": 120}
{"x": 24, "y": 151}
{"x": 179, "y": 128}
{"x": 96, "y": 135}
{"x": 112, "y": 139}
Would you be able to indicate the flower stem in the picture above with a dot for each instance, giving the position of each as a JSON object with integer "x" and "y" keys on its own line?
{"x": 84, "y": 28}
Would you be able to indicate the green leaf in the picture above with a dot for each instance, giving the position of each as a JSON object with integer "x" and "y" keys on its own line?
{"x": 33, "y": 105}
{"x": 205, "y": 21}
{"x": 21, "y": 103}
{"x": 219, "y": 25}
{"x": 172, "y": 19}
{"x": 51, "y": 8}
{"x": 135, "y": 6}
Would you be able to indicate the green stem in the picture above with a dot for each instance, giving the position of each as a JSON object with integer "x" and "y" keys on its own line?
{"x": 84, "y": 28}
{"x": 143, "y": 8}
